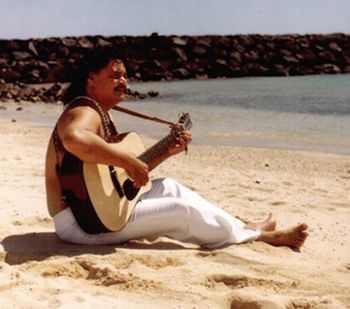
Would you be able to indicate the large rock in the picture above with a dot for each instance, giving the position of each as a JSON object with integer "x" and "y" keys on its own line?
{"x": 9, "y": 75}
{"x": 21, "y": 55}
{"x": 328, "y": 68}
{"x": 328, "y": 56}
{"x": 178, "y": 41}
{"x": 306, "y": 56}
{"x": 199, "y": 50}
{"x": 181, "y": 73}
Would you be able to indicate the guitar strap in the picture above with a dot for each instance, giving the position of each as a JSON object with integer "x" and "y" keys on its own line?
{"x": 57, "y": 143}
{"x": 143, "y": 116}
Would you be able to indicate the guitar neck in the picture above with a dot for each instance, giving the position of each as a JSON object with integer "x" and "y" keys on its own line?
{"x": 157, "y": 149}
{"x": 160, "y": 147}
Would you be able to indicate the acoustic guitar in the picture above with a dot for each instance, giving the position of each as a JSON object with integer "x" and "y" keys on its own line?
{"x": 109, "y": 196}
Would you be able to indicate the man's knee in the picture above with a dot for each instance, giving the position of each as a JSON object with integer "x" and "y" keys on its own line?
{"x": 171, "y": 187}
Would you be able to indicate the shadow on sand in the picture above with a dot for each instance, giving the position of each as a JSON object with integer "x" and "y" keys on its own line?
{"x": 40, "y": 246}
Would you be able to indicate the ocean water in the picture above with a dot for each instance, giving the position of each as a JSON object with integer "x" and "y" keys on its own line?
{"x": 304, "y": 112}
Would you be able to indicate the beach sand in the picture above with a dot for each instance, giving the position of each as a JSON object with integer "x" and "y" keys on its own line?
{"x": 37, "y": 270}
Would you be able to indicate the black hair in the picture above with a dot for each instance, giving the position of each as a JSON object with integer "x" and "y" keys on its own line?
{"x": 93, "y": 61}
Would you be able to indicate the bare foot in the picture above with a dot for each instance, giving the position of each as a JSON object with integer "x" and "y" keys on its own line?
{"x": 267, "y": 225}
{"x": 293, "y": 237}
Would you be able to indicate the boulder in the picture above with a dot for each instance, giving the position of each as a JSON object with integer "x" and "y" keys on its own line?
{"x": 204, "y": 41}
{"x": 280, "y": 70}
{"x": 9, "y": 75}
{"x": 251, "y": 56}
{"x": 306, "y": 56}
{"x": 335, "y": 47}
{"x": 69, "y": 41}
{"x": 236, "y": 56}
{"x": 290, "y": 59}
{"x": 328, "y": 68}
{"x": 346, "y": 56}
{"x": 196, "y": 67}
{"x": 4, "y": 61}
{"x": 327, "y": 56}
{"x": 21, "y": 55}
{"x": 32, "y": 48}
{"x": 180, "y": 53}
{"x": 178, "y": 41}
{"x": 181, "y": 73}
{"x": 102, "y": 43}
{"x": 199, "y": 51}
{"x": 62, "y": 51}
{"x": 85, "y": 43}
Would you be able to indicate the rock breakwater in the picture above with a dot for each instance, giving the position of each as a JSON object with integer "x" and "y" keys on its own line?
{"x": 155, "y": 57}
{"x": 180, "y": 57}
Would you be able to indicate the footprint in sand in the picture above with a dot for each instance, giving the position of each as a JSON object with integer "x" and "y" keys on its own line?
{"x": 309, "y": 302}
{"x": 158, "y": 262}
{"x": 107, "y": 277}
{"x": 253, "y": 302}
{"x": 263, "y": 302}
{"x": 226, "y": 258}
{"x": 99, "y": 275}
{"x": 241, "y": 281}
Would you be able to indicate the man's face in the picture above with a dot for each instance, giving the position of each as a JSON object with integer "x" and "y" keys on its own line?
{"x": 110, "y": 83}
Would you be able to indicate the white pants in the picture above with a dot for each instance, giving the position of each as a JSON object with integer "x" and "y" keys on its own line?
{"x": 168, "y": 209}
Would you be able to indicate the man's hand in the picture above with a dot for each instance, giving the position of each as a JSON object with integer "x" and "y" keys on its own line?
{"x": 182, "y": 141}
{"x": 138, "y": 172}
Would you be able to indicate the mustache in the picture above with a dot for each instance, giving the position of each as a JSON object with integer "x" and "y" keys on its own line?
{"x": 122, "y": 89}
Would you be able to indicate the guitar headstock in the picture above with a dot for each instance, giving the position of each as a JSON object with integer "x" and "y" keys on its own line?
{"x": 185, "y": 121}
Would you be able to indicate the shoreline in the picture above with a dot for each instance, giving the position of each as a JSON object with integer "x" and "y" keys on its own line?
{"x": 32, "y": 114}
{"x": 296, "y": 186}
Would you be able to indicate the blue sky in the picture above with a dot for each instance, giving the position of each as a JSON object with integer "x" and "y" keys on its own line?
{"x": 56, "y": 18}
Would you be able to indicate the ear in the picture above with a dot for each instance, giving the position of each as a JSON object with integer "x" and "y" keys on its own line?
{"x": 90, "y": 80}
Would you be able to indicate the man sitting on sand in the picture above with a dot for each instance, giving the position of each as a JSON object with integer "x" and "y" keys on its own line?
{"x": 85, "y": 133}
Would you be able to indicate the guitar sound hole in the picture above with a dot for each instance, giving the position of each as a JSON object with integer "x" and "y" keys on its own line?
{"x": 129, "y": 190}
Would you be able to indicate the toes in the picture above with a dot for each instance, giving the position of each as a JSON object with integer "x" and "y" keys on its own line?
{"x": 303, "y": 235}
{"x": 303, "y": 226}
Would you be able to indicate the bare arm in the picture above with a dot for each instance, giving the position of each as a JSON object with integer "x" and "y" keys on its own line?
{"x": 81, "y": 133}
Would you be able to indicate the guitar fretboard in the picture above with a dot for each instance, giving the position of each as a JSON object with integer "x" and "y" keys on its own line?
{"x": 158, "y": 149}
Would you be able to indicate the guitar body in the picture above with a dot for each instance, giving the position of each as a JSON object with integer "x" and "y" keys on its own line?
{"x": 111, "y": 190}
{"x": 101, "y": 197}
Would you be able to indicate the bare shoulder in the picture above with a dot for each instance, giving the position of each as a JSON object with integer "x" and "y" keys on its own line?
{"x": 79, "y": 111}
{"x": 79, "y": 117}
